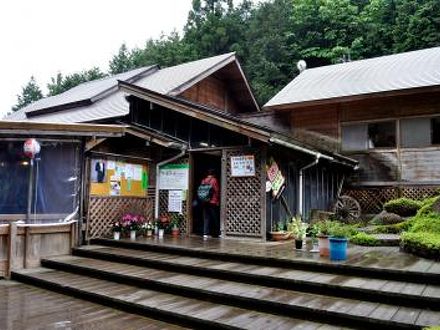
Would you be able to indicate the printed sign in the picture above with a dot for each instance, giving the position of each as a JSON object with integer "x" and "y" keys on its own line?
{"x": 175, "y": 198}
{"x": 174, "y": 177}
{"x": 243, "y": 165}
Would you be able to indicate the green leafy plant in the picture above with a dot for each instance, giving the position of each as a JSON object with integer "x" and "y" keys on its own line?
{"x": 364, "y": 239}
{"x": 404, "y": 207}
{"x": 423, "y": 243}
{"x": 175, "y": 221}
{"x": 340, "y": 230}
{"x": 297, "y": 227}
{"x": 324, "y": 227}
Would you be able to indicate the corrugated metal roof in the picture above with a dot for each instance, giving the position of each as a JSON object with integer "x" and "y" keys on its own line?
{"x": 168, "y": 80}
{"x": 381, "y": 74}
{"x": 165, "y": 81}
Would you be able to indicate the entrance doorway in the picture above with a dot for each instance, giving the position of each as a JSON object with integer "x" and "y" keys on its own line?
{"x": 202, "y": 163}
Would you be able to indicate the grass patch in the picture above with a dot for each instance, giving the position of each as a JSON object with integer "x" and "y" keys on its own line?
{"x": 364, "y": 239}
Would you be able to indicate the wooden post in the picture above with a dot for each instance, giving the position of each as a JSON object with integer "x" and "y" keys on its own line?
{"x": 27, "y": 249}
{"x": 11, "y": 248}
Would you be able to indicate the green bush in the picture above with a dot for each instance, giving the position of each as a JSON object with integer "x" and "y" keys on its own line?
{"x": 392, "y": 229}
{"x": 404, "y": 207}
{"x": 386, "y": 218}
{"x": 364, "y": 239}
{"x": 428, "y": 206}
{"x": 429, "y": 224}
{"x": 339, "y": 229}
{"x": 422, "y": 243}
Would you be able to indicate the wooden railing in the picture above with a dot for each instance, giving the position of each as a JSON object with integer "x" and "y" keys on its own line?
{"x": 23, "y": 245}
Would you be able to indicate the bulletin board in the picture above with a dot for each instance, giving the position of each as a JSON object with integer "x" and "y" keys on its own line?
{"x": 118, "y": 178}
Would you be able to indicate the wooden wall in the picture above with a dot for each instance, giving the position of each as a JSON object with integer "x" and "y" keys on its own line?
{"x": 24, "y": 245}
{"x": 213, "y": 92}
{"x": 322, "y": 119}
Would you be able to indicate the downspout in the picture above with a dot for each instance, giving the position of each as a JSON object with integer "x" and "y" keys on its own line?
{"x": 158, "y": 165}
{"x": 301, "y": 183}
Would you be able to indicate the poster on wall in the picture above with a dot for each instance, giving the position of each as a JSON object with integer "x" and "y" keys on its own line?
{"x": 276, "y": 179}
{"x": 99, "y": 170}
{"x": 174, "y": 177}
{"x": 175, "y": 198}
{"x": 243, "y": 165}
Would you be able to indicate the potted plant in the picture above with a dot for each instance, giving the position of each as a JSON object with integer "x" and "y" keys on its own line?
{"x": 148, "y": 229}
{"x": 117, "y": 229}
{"x": 161, "y": 225}
{"x": 322, "y": 235}
{"x": 313, "y": 232}
{"x": 298, "y": 229}
{"x": 132, "y": 224}
{"x": 339, "y": 234}
{"x": 156, "y": 224}
{"x": 174, "y": 224}
{"x": 279, "y": 233}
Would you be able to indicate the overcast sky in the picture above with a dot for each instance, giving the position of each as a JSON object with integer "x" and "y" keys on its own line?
{"x": 43, "y": 37}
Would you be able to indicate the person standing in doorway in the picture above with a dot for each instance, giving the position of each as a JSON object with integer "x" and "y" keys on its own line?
{"x": 209, "y": 195}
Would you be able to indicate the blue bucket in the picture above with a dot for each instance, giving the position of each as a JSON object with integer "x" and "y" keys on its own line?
{"x": 338, "y": 248}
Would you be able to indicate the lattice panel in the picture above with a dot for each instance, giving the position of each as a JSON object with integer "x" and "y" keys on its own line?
{"x": 419, "y": 192}
{"x": 163, "y": 204}
{"x": 103, "y": 211}
{"x": 243, "y": 199}
{"x": 372, "y": 199}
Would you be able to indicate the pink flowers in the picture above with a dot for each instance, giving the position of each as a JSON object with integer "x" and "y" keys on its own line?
{"x": 132, "y": 221}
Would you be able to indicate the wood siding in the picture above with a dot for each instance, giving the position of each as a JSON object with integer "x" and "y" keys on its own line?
{"x": 323, "y": 120}
{"x": 213, "y": 92}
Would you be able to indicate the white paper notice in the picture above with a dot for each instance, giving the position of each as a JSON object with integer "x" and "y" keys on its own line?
{"x": 137, "y": 172}
{"x": 111, "y": 164}
{"x": 129, "y": 171}
{"x": 175, "y": 201}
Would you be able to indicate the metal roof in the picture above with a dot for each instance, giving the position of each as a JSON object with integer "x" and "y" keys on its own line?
{"x": 402, "y": 71}
{"x": 105, "y": 101}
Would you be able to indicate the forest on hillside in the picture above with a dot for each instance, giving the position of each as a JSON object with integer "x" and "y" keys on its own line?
{"x": 270, "y": 37}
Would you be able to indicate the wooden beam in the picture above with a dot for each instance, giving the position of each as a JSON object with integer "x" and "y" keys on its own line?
{"x": 92, "y": 143}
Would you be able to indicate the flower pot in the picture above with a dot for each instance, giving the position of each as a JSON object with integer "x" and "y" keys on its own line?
{"x": 338, "y": 248}
{"x": 132, "y": 235}
{"x": 279, "y": 235}
{"x": 156, "y": 230}
{"x": 149, "y": 233}
{"x": 161, "y": 232}
{"x": 175, "y": 232}
{"x": 116, "y": 235}
{"x": 298, "y": 244}
{"x": 323, "y": 246}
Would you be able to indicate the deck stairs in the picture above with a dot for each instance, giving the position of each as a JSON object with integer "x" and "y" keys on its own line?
{"x": 212, "y": 290}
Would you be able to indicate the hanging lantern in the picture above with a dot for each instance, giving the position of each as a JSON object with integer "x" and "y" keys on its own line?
{"x": 31, "y": 148}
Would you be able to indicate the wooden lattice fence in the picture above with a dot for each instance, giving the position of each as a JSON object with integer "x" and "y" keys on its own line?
{"x": 103, "y": 211}
{"x": 244, "y": 203}
{"x": 163, "y": 204}
{"x": 372, "y": 199}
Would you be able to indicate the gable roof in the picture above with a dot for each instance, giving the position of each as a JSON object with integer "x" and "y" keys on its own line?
{"x": 399, "y": 72}
{"x": 231, "y": 122}
{"x": 100, "y": 99}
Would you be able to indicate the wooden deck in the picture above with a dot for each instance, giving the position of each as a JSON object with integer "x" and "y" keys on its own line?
{"x": 27, "y": 307}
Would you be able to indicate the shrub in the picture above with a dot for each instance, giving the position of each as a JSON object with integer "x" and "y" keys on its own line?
{"x": 429, "y": 224}
{"x": 404, "y": 207}
{"x": 422, "y": 243}
{"x": 386, "y": 218}
{"x": 429, "y": 205}
{"x": 340, "y": 230}
{"x": 364, "y": 239}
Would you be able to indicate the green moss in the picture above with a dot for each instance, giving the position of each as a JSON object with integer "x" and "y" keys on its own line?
{"x": 427, "y": 206}
{"x": 392, "y": 229}
{"x": 437, "y": 327}
{"x": 404, "y": 207}
{"x": 364, "y": 239}
{"x": 429, "y": 224}
{"x": 422, "y": 243}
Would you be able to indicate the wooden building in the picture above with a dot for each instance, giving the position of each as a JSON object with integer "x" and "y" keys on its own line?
{"x": 180, "y": 121}
{"x": 383, "y": 112}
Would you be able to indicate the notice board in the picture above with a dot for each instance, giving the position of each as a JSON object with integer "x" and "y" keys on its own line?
{"x": 118, "y": 178}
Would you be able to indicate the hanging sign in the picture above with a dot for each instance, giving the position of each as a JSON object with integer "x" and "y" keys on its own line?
{"x": 276, "y": 179}
{"x": 174, "y": 177}
{"x": 243, "y": 165}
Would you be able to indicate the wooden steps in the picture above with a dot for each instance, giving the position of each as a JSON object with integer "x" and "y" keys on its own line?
{"x": 163, "y": 306}
{"x": 201, "y": 292}
{"x": 424, "y": 272}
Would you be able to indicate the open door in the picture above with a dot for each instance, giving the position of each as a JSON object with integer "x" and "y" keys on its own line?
{"x": 202, "y": 163}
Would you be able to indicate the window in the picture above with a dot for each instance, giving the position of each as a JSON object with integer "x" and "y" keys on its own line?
{"x": 420, "y": 132}
{"x": 366, "y": 136}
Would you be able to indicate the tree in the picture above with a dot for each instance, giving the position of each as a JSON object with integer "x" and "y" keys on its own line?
{"x": 60, "y": 84}
{"x": 121, "y": 62}
{"x": 30, "y": 93}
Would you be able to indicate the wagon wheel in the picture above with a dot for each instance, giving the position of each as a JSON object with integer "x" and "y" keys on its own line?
{"x": 347, "y": 209}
